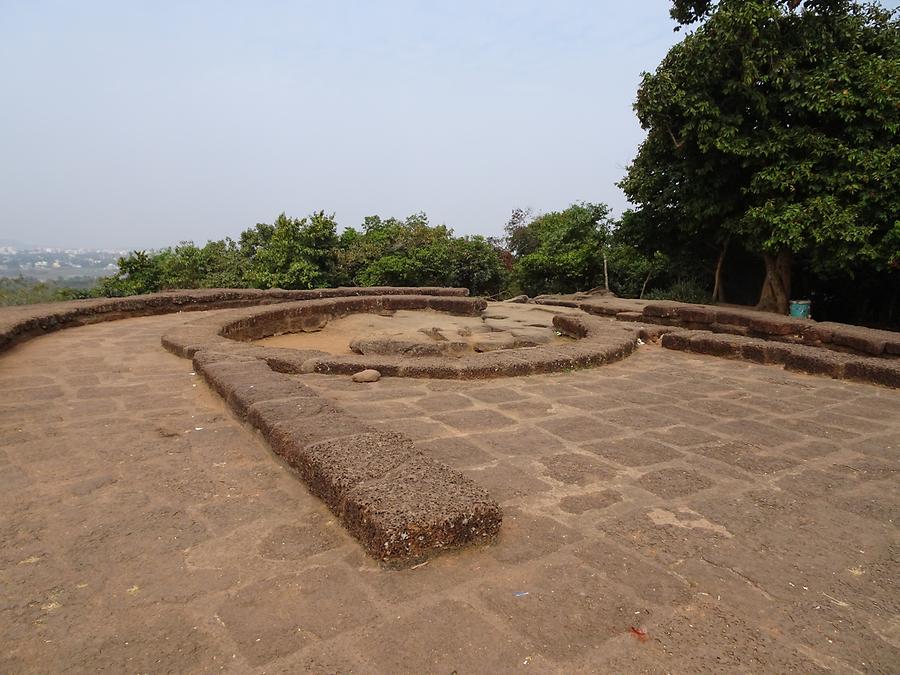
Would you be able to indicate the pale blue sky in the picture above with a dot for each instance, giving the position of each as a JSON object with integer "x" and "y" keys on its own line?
{"x": 137, "y": 124}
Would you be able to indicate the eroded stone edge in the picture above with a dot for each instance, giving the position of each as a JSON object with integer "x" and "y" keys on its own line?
{"x": 742, "y": 321}
{"x": 21, "y": 323}
{"x": 401, "y": 505}
{"x": 796, "y": 357}
{"x": 598, "y": 342}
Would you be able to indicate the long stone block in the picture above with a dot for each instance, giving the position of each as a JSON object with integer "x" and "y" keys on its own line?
{"x": 332, "y": 468}
{"x": 877, "y": 371}
{"x": 417, "y": 508}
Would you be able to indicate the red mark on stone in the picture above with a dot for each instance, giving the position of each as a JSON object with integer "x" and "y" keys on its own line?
{"x": 639, "y": 633}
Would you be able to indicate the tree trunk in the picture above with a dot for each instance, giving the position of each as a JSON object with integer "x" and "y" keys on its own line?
{"x": 776, "y": 289}
{"x": 605, "y": 272}
{"x": 646, "y": 281}
{"x": 718, "y": 289}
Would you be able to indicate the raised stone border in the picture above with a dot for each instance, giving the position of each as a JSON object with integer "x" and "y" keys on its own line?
{"x": 837, "y": 350}
{"x": 739, "y": 321}
{"x": 20, "y": 323}
{"x": 400, "y": 504}
{"x": 796, "y": 357}
{"x": 598, "y": 342}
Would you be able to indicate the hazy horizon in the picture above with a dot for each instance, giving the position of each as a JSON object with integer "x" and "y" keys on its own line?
{"x": 129, "y": 126}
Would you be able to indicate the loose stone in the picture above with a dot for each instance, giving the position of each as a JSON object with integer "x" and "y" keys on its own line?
{"x": 367, "y": 375}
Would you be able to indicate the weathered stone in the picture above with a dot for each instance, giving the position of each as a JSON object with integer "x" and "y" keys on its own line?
{"x": 662, "y": 309}
{"x": 773, "y": 324}
{"x": 332, "y": 468}
{"x": 862, "y": 340}
{"x": 367, "y": 375}
{"x": 876, "y": 371}
{"x": 679, "y": 340}
{"x": 419, "y": 507}
{"x": 696, "y": 314}
{"x": 730, "y": 328}
{"x": 716, "y": 344}
{"x": 493, "y": 341}
{"x": 813, "y": 361}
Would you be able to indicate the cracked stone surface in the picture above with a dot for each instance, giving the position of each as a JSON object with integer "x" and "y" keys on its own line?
{"x": 738, "y": 517}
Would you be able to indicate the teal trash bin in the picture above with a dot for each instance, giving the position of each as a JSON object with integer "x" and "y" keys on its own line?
{"x": 800, "y": 309}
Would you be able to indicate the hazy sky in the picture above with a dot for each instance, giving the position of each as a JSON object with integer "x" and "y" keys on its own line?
{"x": 138, "y": 124}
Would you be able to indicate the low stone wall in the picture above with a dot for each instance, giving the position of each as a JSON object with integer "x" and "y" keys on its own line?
{"x": 401, "y": 505}
{"x": 797, "y": 357}
{"x": 597, "y": 342}
{"x": 836, "y": 350}
{"x": 751, "y": 323}
{"x": 738, "y": 321}
{"x": 24, "y": 322}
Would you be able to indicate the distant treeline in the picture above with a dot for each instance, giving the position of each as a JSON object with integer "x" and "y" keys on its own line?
{"x": 23, "y": 290}
{"x": 556, "y": 252}
{"x": 576, "y": 249}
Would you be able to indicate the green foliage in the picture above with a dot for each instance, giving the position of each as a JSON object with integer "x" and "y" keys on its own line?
{"x": 413, "y": 253}
{"x": 308, "y": 253}
{"x": 223, "y": 265}
{"x": 776, "y": 125}
{"x": 23, "y": 291}
{"x": 631, "y": 273}
{"x": 561, "y": 251}
{"x": 139, "y": 272}
{"x": 294, "y": 253}
{"x": 218, "y": 264}
{"x": 683, "y": 290}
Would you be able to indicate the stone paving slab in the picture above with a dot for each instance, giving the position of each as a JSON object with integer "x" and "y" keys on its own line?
{"x": 144, "y": 529}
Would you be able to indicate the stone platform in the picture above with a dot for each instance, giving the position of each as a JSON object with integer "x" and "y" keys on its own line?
{"x": 668, "y": 512}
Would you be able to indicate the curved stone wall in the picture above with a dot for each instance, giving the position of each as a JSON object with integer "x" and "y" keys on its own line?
{"x": 27, "y": 321}
{"x": 401, "y": 505}
{"x": 835, "y": 350}
{"x": 597, "y": 342}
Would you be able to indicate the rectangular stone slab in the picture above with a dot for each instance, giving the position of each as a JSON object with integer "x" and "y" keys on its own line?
{"x": 417, "y": 508}
{"x": 332, "y": 468}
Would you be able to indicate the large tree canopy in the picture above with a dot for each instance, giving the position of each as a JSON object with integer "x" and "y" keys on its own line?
{"x": 775, "y": 124}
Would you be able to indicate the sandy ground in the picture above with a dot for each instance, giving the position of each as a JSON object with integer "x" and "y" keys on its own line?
{"x": 667, "y": 513}
{"x": 500, "y": 319}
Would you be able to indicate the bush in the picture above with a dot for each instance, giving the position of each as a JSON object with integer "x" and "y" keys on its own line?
{"x": 684, "y": 290}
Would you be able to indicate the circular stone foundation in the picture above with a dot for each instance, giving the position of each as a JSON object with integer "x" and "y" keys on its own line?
{"x": 429, "y": 333}
{"x": 505, "y": 339}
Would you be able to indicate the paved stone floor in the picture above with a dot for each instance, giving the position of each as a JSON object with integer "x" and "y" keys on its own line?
{"x": 668, "y": 513}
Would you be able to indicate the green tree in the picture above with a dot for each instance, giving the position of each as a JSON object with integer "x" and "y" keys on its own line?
{"x": 292, "y": 253}
{"x": 775, "y": 124}
{"x": 476, "y": 263}
{"x": 24, "y": 291}
{"x": 411, "y": 252}
{"x": 224, "y": 264}
{"x": 561, "y": 251}
{"x": 182, "y": 267}
{"x": 138, "y": 272}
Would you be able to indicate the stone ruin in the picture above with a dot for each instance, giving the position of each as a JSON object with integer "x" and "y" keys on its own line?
{"x": 401, "y": 505}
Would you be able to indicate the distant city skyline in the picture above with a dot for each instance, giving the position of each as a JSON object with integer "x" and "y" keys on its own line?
{"x": 130, "y": 125}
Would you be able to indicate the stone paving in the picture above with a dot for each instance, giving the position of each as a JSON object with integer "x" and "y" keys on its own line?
{"x": 668, "y": 513}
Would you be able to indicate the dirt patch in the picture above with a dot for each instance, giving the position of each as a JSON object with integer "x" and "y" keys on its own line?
{"x": 426, "y": 333}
